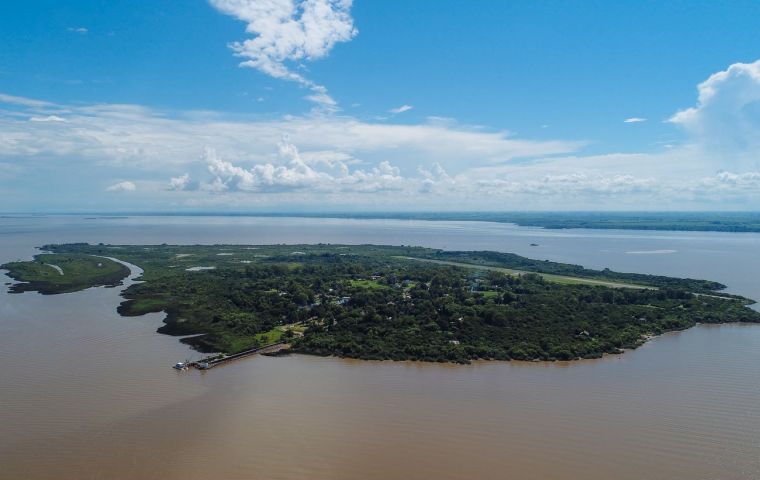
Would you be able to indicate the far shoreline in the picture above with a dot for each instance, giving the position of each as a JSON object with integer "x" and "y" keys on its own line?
{"x": 685, "y": 221}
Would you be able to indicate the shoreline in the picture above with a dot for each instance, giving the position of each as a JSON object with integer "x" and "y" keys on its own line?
{"x": 748, "y": 224}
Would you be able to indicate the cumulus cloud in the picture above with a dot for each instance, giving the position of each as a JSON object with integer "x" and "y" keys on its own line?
{"x": 732, "y": 182}
{"x": 726, "y": 119}
{"x": 435, "y": 178}
{"x": 384, "y": 177}
{"x": 295, "y": 174}
{"x": 401, "y": 109}
{"x": 181, "y": 183}
{"x": 126, "y": 186}
{"x": 288, "y": 31}
{"x": 634, "y": 120}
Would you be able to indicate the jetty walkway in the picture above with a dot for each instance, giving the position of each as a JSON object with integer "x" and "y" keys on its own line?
{"x": 211, "y": 362}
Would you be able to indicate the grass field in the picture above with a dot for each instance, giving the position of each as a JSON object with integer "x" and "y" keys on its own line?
{"x": 237, "y": 343}
{"x": 566, "y": 280}
{"x": 368, "y": 284}
{"x": 489, "y": 294}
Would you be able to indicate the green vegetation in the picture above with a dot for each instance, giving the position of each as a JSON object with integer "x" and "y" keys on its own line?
{"x": 406, "y": 303}
{"x": 64, "y": 273}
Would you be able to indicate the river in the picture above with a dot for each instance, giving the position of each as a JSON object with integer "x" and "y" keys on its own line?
{"x": 87, "y": 394}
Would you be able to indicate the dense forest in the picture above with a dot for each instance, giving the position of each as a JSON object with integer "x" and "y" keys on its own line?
{"x": 382, "y": 302}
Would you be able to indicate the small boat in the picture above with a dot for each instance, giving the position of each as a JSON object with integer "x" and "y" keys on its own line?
{"x": 203, "y": 365}
{"x": 180, "y": 366}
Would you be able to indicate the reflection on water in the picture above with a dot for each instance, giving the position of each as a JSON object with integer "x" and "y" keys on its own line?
{"x": 88, "y": 394}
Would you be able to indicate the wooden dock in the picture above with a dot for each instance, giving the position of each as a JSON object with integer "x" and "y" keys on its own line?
{"x": 211, "y": 362}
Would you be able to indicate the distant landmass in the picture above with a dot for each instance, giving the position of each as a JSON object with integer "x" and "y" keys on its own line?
{"x": 673, "y": 221}
{"x": 681, "y": 221}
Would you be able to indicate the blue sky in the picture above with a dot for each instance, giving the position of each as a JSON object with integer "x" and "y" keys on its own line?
{"x": 453, "y": 105}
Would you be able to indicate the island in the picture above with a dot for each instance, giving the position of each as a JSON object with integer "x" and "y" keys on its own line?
{"x": 385, "y": 302}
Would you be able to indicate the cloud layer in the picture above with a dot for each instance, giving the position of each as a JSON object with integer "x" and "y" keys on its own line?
{"x": 138, "y": 136}
{"x": 198, "y": 160}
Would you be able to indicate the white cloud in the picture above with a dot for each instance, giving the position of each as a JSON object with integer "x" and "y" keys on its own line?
{"x": 49, "y": 118}
{"x": 287, "y": 31}
{"x": 143, "y": 138}
{"x": 435, "y": 178}
{"x": 634, "y": 120}
{"x": 296, "y": 174}
{"x": 732, "y": 182}
{"x": 26, "y": 102}
{"x": 80, "y": 30}
{"x": 122, "y": 187}
{"x": 267, "y": 176}
{"x": 320, "y": 97}
{"x": 401, "y": 109}
{"x": 726, "y": 120}
{"x": 181, "y": 183}
{"x": 572, "y": 184}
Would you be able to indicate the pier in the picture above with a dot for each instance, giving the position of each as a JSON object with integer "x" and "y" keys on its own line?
{"x": 211, "y": 362}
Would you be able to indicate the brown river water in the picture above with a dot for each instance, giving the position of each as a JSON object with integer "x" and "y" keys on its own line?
{"x": 87, "y": 394}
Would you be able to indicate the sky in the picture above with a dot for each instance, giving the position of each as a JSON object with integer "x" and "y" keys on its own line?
{"x": 370, "y": 105}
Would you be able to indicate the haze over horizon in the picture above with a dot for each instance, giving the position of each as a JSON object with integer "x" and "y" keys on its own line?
{"x": 334, "y": 105}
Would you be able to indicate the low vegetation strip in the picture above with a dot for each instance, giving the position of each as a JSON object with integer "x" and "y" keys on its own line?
{"x": 545, "y": 267}
{"x": 400, "y": 303}
{"x": 549, "y": 277}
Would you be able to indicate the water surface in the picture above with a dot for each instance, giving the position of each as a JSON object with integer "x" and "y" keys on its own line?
{"x": 85, "y": 393}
